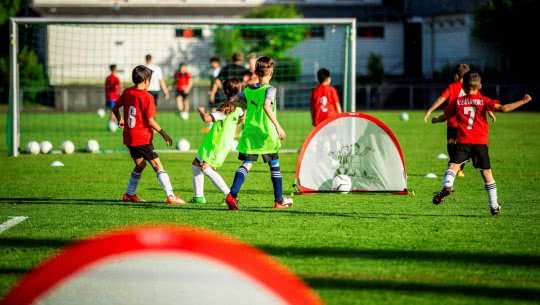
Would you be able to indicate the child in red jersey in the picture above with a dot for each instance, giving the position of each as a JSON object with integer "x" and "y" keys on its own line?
{"x": 452, "y": 92}
{"x": 472, "y": 136}
{"x": 113, "y": 87}
{"x": 324, "y": 100}
{"x": 139, "y": 113}
{"x": 184, "y": 83}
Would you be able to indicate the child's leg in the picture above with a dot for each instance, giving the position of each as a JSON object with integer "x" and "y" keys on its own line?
{"x": 450, "y": 175}
{"x": 186, "y": 104}
{"x": 491, "y": 188}
{"x": 162, "y": 176}
{"x": 198, "y": 179}
{"x": 179, "y": 103}
{"x": 240, "y": 177}
{"x": 216, "y": 178}
{"x": 135, "y": 177}
{"x": 277, "y": 180}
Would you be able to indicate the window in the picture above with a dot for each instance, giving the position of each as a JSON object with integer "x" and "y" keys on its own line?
{"x": 370, "y": 31}
{"x": 316, "y": 32}
{"x": 188, "y": 33}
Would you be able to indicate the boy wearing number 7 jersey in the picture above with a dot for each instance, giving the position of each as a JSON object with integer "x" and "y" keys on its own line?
{"x": 139, "y": 124}
{"x": 472, "y": 136}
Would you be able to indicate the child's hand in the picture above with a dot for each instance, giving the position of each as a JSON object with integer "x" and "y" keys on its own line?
{"x": 121, "y": 123}
{"x": 426, "y": 117}
{"x": 527, "y": 98}
{"x": 166, "y": 137}
{"x": 492, "y": 116}
{"x": 281, "y": 133}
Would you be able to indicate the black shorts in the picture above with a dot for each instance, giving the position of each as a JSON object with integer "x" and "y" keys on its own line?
{"x": 451, "y": 133}
{"x": 478, "y": 153}
{"x": 266, "y": 157}
{"x": 148, "y": 152}
{"x": 182, "y": 94}
{"x": 155, "y": 94}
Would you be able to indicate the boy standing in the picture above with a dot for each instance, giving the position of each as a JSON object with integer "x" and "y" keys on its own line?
{"x": 183, "y": 86}
{"x": 262, "y": 134}
{"x": 324, "y": 100}
{"x": 139, "y": 112}
{"x": 157, "y": 82}
{"x": 113, "y": 87}
{"x": 472, "y": 136}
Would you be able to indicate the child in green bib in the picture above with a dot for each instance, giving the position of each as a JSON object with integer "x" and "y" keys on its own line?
{"x": 261, "y": 135}
{"x": 217, "y": 143}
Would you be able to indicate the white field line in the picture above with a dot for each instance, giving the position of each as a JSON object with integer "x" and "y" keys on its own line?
{"x": 15, "y": 220}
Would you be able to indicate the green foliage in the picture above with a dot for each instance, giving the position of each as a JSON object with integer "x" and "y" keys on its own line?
{"x": 9, "y": 8}
{"x": 287, "y": 69}
{"x": 32, "y": 76}
{"x": 375, "y": 68}
{"x": 227, "y": 40}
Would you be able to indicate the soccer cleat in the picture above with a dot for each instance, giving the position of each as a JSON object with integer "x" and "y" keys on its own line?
{"x": 460, "y": 173}
{"x": 231, "y": 202}
{"x": 200, "y": 200}
{"x": 285, "y": 203}
{"x": 439, "y": 197}
{"x": 132, "y": 198}
{"x": 175, "y": 199}
{"x": 495, "y": 211}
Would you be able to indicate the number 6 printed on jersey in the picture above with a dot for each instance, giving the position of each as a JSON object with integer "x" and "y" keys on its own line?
{"x": 132, "y": 120}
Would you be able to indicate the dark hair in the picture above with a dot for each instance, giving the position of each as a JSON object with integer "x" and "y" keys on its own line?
{"x": 214, "y": 59}
{"x": 112, "y": 67}
{"x": 323, "y": 74}
{"x": 264, "y": 66}
{"x": 148, "y": 57}
{"x": 140, "y": 74}
{"x": 461, "y": 69}
{"x": 472, "y": 80}
{"x": 182, "y": 64}
{"x": 237, "y": 56}
{"x": 231, "y": 87}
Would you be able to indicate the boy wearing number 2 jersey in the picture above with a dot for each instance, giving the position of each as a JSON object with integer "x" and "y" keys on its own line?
{"x": 472, "y": 136}
{"x": 324, "y": 101}
{"x": 138, "y": 124}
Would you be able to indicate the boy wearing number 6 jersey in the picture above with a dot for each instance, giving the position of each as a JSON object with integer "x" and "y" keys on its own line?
{"x": 472, "y": 136}
{"x": 138, "y": 125}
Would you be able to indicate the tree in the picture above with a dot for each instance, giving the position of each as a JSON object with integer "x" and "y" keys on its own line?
{"x": 509, "y": 24}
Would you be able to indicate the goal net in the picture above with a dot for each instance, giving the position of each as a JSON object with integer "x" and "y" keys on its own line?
{"x": 59, "y": 67}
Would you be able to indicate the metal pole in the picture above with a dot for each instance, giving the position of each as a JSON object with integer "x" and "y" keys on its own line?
{"x": 14, "y": 89}
{"x": 411, "y": 97}
{"x": 352, "y": 86}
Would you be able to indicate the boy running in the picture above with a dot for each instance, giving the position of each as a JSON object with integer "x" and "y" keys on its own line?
{"x": 217, "y": 143}
{"x": 140, "y": 111}
{"x": 184, "y": 82}
{"x": 262, "y": 134}
{"x": 324, "y": 101}
{"x": 113, "y": 87}
{"x": 472, "y": 136}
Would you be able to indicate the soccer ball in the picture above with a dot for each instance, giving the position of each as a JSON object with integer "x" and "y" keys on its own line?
{"x": 32, "y": 148}
{"x": 404, "y": 116}
{"x": 183, "y": 145}
{"x": 342, "y": 183}
{"x": 67, "y": 147}
{"x": 101, "y": 112}
{"x": 92, "y": 146}
{"x": 112, "y": 126}
{"x": 45, "y": 147}
{"x": 184, "y": 115}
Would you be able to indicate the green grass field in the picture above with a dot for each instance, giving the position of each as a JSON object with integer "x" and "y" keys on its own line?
{"x": 352, "y": 249}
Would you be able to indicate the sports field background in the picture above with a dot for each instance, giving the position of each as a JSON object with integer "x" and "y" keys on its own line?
{"x": 352, "y": 249}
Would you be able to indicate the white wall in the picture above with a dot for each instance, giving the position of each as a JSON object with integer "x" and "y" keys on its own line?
{"x": 390, "y": 47}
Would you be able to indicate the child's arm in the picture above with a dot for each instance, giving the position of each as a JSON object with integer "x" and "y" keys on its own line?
{"x": 213, "y": 89}
{"x": 272, "y": 116}
{"x": 512, "y": 106}
{"x": 116, "y": 114}
{"x": 492, "y": 116}
{"x": 439, "y": 119}
{"x": 207, "y": 118}
{"x": 312, "y": 108}
{"x": 164, "y": 88}
{"x": 189, "y": 85}
{"x": 338, "y": 104}
{"x": 438, "y": 102}
{"x": 162, "y": 132}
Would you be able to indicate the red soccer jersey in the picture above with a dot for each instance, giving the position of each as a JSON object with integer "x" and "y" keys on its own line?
{"x": 182, "y": 81}
{"x": 451, "y": 93}
{"x": 138, "y": 106}
{"x": 112, "y": 87}
{"x": 324, "y": 100}
{"x": 470, "y": 113}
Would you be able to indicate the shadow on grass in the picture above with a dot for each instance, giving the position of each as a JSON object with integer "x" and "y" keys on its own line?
{"x": 78, "y": 201}
{"x": 12, "y": 270}
{"x": 446, "y": 289}
{"x": 407, "y": 255}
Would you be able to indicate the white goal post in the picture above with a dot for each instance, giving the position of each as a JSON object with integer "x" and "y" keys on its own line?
{"x": 17, "y": 26}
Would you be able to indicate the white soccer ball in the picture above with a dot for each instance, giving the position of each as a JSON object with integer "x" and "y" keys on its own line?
{"x": 101, "y": 112}
{"x": 45, "y": 147}
{"x": 32, "y": 148}
{"x": 112, "y": 126}
{"x": 92, "y": 146}
{"x": 183, "y": 145}
{"x": 342, "y": 183}
{"x": 67, "y": 147}
{"x": 404, "y": 116}
{"x": 184, "y": 115}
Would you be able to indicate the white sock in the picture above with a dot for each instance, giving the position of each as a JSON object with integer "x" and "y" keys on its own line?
{"x": 448, "y": 180}
{"x": 491, "y": 190}
{"x": 198, "y": 181}
{"x": 165, "y": 182}
{"x": 216, "y": 178}
{"x": 133, "y": 183}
